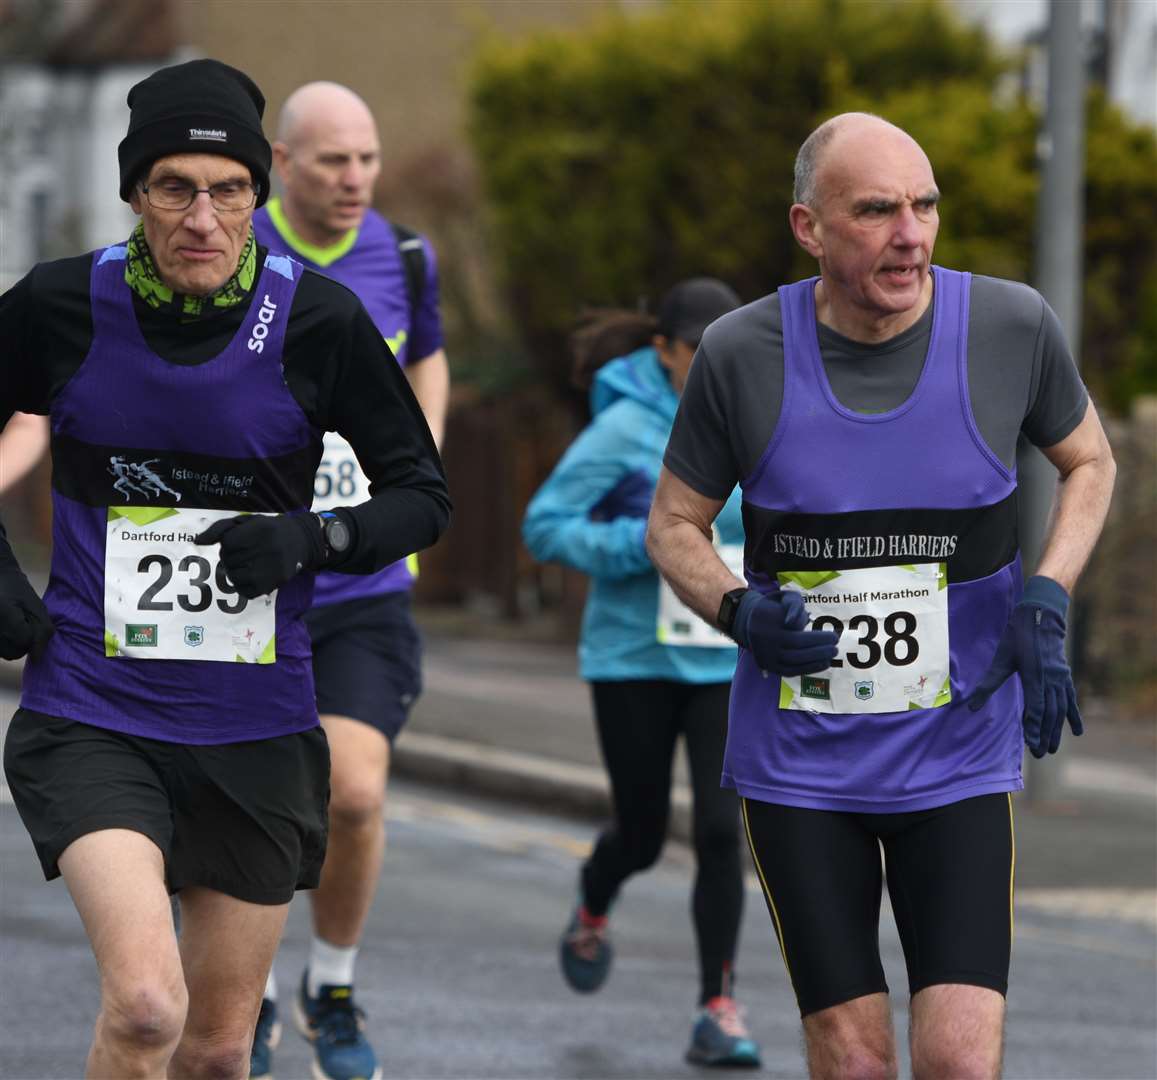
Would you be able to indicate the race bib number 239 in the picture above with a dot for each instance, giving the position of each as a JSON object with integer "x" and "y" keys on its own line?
{"x": 167, "y": 598}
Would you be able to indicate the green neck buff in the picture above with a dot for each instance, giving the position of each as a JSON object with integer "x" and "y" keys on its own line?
{"x": 142, "y": 277}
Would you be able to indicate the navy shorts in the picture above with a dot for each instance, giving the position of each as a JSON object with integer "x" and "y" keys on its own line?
{"x": 950, "y": 877}
{"x": 367, "y": 657}
{"x": 248, "y": 819}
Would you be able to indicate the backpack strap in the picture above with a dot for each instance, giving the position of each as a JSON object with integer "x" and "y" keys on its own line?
{"x": 413, "y": 254}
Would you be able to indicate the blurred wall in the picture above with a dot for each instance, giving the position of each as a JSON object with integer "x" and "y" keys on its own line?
{"x": 405, "y": 57}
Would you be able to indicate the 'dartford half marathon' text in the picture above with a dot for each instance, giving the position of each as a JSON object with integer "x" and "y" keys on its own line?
{"x": 866, "y": 596}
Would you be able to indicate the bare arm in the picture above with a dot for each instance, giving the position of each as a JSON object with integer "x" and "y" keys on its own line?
{"x": 679, "y": 544}
{"x": 22, "y": 444}
{"x": 430, "y": 381}
{"x": 1087, "y": 471}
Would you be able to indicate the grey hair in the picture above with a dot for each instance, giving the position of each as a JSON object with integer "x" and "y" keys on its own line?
{"x": 807, "y": 161}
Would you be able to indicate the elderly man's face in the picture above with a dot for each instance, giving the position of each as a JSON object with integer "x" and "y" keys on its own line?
{"x": 876, "y": 222}
{"x": 196, "y": 250}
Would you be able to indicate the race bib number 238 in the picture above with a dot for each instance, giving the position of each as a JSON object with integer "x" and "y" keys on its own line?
{"x": 892, "y": 622}
{"x": 167, "y": 598}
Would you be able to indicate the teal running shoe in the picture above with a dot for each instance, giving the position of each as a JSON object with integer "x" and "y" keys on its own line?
{"x": 585, "y": 952}
{"x": 720, "y": 1037}
{"x": 336, "y": 1027}
{"x": 265, "y": 1039}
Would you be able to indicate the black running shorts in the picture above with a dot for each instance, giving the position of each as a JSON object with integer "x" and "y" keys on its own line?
{"x": 950, "y": 880}
{"x": 367, "y": 660}
{"x": 248, "y": 819}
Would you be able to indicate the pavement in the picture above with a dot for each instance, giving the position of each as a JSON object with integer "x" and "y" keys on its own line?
{"x": 504, "y": 714}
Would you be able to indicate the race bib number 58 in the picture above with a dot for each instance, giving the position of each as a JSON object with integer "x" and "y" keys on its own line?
{"x": 339, "y": 480}
{"x": 893, "y": 650}
{"x": 166, "y": 598}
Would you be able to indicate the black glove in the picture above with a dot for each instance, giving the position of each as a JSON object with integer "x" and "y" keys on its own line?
{"x": 772, "y": 628}
{"x": 262, "y": 552}
{"x": 25, "y": 625}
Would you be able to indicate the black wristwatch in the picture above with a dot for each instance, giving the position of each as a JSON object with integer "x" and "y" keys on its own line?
{"x": 728, "y": 606}
{"x": 335, "y": 534}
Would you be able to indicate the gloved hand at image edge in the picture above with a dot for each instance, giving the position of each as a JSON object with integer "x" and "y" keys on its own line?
{"x": 261, "y": 552}
{"x": 25, "y": 625}
{"x": 772, "y": 628}
{"x": 1033, "y": 646}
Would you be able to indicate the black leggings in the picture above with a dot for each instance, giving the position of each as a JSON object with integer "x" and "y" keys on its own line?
{"x": 639, "y": 723}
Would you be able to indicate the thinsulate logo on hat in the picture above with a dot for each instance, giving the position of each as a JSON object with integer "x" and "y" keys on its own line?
{"x": 212, "y": 134}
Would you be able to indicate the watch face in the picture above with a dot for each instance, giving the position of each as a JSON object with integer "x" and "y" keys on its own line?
{"x": 337, "y": 535}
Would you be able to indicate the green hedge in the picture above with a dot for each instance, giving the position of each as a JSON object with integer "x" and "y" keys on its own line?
{"x": 620, "y": 159}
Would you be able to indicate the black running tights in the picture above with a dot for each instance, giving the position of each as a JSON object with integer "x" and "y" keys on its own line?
{"x": 639, "y": 723}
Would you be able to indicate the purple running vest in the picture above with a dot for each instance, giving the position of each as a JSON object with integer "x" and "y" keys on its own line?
{"x": 921, "y": 469}
{"x": 232, "y": 415}
{"x": 372, "y": 269}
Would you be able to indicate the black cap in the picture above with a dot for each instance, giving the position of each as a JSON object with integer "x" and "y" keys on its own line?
{"x": 692, "y": 305}
{"x": 201, "y": 107}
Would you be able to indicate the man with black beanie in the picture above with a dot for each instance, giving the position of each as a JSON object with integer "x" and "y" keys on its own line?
{"x": 167, "y": 740}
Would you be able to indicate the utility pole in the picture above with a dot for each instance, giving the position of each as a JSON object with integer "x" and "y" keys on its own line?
{"x": 1060, "y": 222}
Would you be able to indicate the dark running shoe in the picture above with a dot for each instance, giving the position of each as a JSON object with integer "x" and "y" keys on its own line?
{"x": 585, "y": 952}
{"x": 265, "y": 1040}
{"x": 720, "y": 1037}
{"x": 336, "y": 1027}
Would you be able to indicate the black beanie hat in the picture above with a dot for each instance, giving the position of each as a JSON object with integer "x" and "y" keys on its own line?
{"x": 201, "y": 107}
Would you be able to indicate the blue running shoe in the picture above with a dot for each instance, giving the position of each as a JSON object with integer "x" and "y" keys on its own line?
{"x": 336, "y": 1027}
{"x": 265, "y": 1040}
{"x": 585, "y": 951}
{"x": 720, "y": 1037}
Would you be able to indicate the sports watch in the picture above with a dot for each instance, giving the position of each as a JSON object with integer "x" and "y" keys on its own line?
{"x": 728, "y": 606}
{"x": 335, "y": 534}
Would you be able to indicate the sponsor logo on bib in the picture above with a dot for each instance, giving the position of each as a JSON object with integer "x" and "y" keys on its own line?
{"x": 141, "y": 634}
{"x": 812, "y": 687}
{"x": 194, "y": 635}
{"x": 865, "y": 689}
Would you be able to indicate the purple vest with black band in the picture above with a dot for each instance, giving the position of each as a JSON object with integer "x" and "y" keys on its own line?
{"x": 373, "y": 270}
{"x": 918, "y": 471}
{"x": 225, "y": 434}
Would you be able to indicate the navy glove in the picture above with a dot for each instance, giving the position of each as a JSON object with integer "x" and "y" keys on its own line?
{"x": 261, "y": 552}
{"x": 1033, "y": 646}
{"x": 25, "y": 625}
{"x": 772, "y": 629}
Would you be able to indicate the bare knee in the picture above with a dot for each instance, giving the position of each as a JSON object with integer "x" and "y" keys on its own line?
{"x": 147, "y": 1015}
{"x": 218, "y": 1057}
{"x": 852, "y": 1062}
{"x": 957, "y": 1032}
{"x": 955, "y": 1063}
{"x": 356, "y": 802}
{"x": 852, "y": 1041}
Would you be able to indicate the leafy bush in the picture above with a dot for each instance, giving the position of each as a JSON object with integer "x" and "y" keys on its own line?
{"x": 646, "y": 149}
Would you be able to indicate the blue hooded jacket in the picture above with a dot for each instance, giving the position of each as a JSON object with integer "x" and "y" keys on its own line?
{"x": 591, "y": 513}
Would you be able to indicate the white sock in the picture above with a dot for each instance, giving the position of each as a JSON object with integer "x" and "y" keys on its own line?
{"x": 270, "y": 986}
{"x": 329, "y": 965}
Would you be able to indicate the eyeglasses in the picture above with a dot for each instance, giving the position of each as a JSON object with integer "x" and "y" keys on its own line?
{"x": 174, "y": 194}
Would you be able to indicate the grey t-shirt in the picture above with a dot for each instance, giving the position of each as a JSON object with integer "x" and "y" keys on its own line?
{"x": 1021, "y": 377}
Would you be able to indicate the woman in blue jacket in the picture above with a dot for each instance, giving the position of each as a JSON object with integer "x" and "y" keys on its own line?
{"x": 656, "y": 670}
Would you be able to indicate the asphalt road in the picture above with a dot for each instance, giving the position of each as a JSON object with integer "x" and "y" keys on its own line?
{"x": 459, "y": 976}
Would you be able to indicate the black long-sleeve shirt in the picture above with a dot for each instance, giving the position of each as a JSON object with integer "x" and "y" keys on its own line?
{"x": 335, "y": 363}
